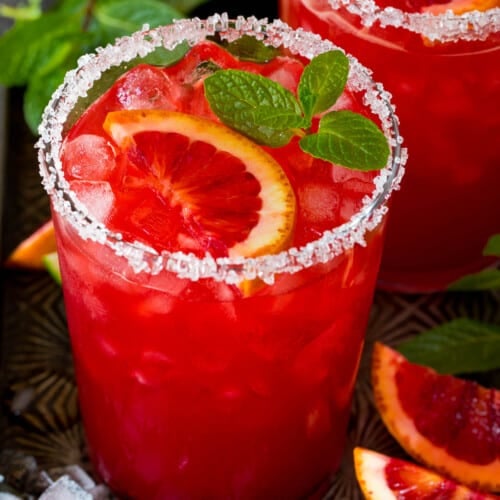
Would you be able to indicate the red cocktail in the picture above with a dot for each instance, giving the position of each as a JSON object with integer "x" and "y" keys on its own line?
{"x": 442, "y": 71}
{"x": 217, "y": 291}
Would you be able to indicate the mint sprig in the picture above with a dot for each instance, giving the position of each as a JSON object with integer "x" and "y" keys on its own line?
{"x": 323, "y": 82}
{"x": 254, "y": 105}
{"x": 271, "y": 115}
{"x": 42, "y": 45}
{"x": 487, "y": 279}
{"x": 457, "y": 347}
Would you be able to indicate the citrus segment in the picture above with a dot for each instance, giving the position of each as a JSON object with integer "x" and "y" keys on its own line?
{"x": 450, "y": 425}
{"x": 384, "y": 478}
{"x": 29, "y": 253}
{"x": 217, "y": 187}
{"x": 51, "y": 263}
{"x": 459, "y": 7}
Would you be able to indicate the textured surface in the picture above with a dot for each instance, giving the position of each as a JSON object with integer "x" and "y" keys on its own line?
{"x": 39, "y": 422}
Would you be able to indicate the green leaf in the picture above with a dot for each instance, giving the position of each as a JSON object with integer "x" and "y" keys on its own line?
{"x": 164, "y": 57}
{"x": 159, "y": 57}
{"x": 350, "y": 140}
{"x": 186, "y": 6}
{"x": 51, "y": 263}
{"x": 492, "y": 247}
{"x": 254, "y": 105}
{"x": 29, "y": 45}
{"x": 28, "y": 12}
{"x": 459, "y": 346}
{"x": 323, "y": 81}
{"x": 487, "y": 279}
{"x": 123, "y": 17}
{"x": 248, "y": 48}
{"x": 37, "y": 95}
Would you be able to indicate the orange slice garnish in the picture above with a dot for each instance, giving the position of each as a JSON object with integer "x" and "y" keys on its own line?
{"x": 459, "y": 7}
{"x": 384, "y": 478}
{"x": 29, "y": 253}
{"x": 224, "y": 187}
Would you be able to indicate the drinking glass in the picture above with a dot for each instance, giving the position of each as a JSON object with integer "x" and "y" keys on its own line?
{"x": 189, "y": 388}
{"x": 442, "y": 69}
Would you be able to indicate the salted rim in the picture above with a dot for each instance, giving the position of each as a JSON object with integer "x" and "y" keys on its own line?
{"x": 446, "y": 27}
{"x": 143, "y": 258}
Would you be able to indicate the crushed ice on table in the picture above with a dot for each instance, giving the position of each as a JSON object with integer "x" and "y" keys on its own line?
{"x": 65, "y": 489}
{"x": 75, "y": 484}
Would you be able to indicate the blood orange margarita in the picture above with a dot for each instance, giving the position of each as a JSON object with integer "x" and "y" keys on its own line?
{"x": 442, "y": 70}
{"x": 217, "y": 291}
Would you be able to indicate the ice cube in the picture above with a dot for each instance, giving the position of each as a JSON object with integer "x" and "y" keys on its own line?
{"x": 146, "y": 87}
{"x": 97, "y": 196}
{"x": 318, "y": 420}
{"x": 285, "y": 71}
{"x": 152, "y": 369}
{"x": 319, "y": 203}
{"x": 350, "y": 205}
{"x": 88, "y": 157}
{"x": 343, "y": 174}
{"x": 65, "y": 489}
{"x": 155, "y": 305}
{"x": 8, "y": 496}
{"x": 355, "y": 181}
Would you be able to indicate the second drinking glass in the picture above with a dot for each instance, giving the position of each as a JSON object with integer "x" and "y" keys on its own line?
{"x": 443, "y": 71}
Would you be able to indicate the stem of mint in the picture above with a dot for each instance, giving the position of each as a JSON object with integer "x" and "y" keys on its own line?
{"x": 271, "y": 115}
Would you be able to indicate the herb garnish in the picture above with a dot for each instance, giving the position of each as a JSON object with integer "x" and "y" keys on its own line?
{"x": 271, "y": 115}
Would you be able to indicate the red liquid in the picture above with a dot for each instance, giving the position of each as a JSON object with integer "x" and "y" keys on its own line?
{"x": 446, "y": 96}
{"x": 191, "y": 390}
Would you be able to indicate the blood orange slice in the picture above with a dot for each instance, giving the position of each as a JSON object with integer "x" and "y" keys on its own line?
{"x": 384, "y": 478}
{"x": 450, "y": 425}
{"x": 214, "y": 190}
{"x": 29, "y": 253}
{"x": 461, "y": 6}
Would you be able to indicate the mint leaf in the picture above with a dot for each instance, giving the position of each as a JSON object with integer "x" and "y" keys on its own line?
{"x": 492, "y": 247}
{"x": 28, "y": 45}
{"x": 121, "y": 17}
{"x": 254, "y": 105}
{"x": 348, "y": 139}
{"x": 186, "y": 6}
{"x": 487, "y": 279}
{"x": 159, "y": 57}
{"x": 30, "y": 11}
{"x": 164, "y": 57}
{"x": 323, "y": 81}
{"x": 37, "y": 95}
{"x": 248, "y": 48}
{"x": 459, "y": 346}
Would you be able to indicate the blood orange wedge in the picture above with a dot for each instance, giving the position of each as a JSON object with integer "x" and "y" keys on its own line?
{"x": 384, "y": 478}
{"x": 213, "y": 188}
{"x": 450, "y": 425}
{"x": 29, "y": 253}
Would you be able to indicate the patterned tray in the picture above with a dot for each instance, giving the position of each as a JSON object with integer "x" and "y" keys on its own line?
{"x": 40, "y": 428}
